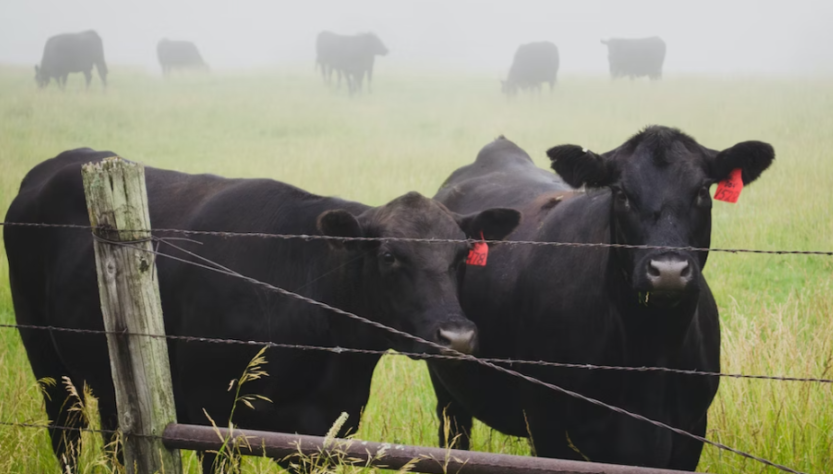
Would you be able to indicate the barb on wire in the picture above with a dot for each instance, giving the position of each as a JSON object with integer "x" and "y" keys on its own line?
{"x": 311, "y": 237}
{"x": 424, "y": 355}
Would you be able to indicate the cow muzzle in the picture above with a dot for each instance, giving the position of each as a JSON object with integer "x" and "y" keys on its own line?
{"x": 666, "y": 279}
{"x": 669, "y": 274}
{"x": 458, "y": 337}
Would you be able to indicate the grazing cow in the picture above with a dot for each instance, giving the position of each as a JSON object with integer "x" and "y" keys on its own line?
{"x": 179, "y": 55}
{"x": 410, "y": 286}
{"x": 591, "y": 305}
{"x": 635, "y": 57}
{"x": 71, "y": 52}
{"x": 533, "y": 64}
{"x": 349, "y": 56}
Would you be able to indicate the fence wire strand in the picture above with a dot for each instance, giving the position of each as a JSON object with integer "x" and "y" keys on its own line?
{"x": 422, "y": 355}
{"x": 216, "y": 267}
{"x": 312, "y": 237}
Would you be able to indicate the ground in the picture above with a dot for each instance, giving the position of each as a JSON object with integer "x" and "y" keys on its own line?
{"x": 415, "y": 129}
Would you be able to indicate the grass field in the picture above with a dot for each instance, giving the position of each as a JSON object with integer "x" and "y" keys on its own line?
{"x": 776, "y": 311}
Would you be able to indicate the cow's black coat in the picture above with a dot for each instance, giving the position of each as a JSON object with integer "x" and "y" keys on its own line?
{"x": 351, "y": 56}
{"x": 533, "y": 64}
{"x": 635, "y": 57}
{"x": 595, "y": 305}
{"x": 177, "y": 54}
{"x": 409, "y": 286}
{"x": 71, "y": 52}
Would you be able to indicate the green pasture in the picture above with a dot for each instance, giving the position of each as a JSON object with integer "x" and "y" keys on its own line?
{"x": 409, "y": 134}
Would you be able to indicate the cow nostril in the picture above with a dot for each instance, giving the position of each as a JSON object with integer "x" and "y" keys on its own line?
{"x": 686, "y": 271}
{"x": 652, "y": 269}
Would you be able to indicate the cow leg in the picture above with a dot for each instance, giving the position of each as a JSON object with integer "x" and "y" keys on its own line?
{"x": 46, "y": 364}
{"x": 62, "y": 80}
{"x": 359, "y": 79}
{"x": 88, "y": 76}
{"x": 109, "y": 415}
{"x": 455, "y": 421}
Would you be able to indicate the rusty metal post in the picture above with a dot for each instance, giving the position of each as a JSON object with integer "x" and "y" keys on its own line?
{"x": 390, "y": 456}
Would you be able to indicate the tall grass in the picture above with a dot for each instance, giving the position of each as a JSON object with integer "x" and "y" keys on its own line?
{"x": 776, "y": 311}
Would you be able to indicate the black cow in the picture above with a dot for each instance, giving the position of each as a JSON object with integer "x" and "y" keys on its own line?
{"x": 533, "y": 64}
{"x": 635, "y": 57}
{"x": 603, "y": 306}
{"x": 179, "y": 55}
{"x": 349, "y": 56}
{"x": 71, "y": 52}
{"x": 406, "y": 285}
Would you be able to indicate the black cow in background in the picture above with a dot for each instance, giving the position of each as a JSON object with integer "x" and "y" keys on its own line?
{"x": 179, "y": 55}
{"x": 601, "y": 306}
{"x": 351, "y": 56}
{"x": 71, "y": 52}
{"x": 635, "y": 57}
{"x": 410, "y": 286}
{"x": 533, "y": 64}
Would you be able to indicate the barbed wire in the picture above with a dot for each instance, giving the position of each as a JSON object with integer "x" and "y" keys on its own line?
{"x": 218, "y": 268}
{"x": 421, "y": 355}
{"x": 312, "y": 237}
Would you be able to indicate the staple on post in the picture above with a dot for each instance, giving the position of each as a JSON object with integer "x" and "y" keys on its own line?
{"x": 130, "y": 303}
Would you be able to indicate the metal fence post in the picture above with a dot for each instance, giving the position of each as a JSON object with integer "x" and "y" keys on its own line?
{"x": 118, "y": 209}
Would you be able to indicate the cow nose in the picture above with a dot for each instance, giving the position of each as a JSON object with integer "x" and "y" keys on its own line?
{"x": 669, "y": 274}
{"x": 459, "y": 339}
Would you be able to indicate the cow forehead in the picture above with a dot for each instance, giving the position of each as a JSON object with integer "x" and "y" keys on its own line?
{"x": 416, "y": 216}
{"x": 674, "y": 164}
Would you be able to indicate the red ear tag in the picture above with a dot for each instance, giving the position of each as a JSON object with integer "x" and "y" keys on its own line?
{"x": 729, "y": 189}
{"x": 478, "y": 253}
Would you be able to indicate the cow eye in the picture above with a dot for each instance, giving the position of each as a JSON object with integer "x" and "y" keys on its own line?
{"x": 621, "y": 197}
{"x": 388, "y": 258}
{"x": 703, "y": 193}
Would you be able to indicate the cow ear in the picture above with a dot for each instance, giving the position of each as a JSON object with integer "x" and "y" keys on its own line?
{"x": 491, "y": 224}
{"x": 751, "y": 157}
{"x": 579, "y": 166}
{"x": 340, "y": 223}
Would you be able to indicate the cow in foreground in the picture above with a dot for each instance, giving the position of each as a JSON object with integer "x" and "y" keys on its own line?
{"x": 635, "y": 57}
{"x": 179, "y": 55}
{"x": 533, "y": 64}
{"x": 409, "y": 286}
{"x": 71, "y": 52}
{"x": 349, "y": 56}
{"x": 591, "y": 305}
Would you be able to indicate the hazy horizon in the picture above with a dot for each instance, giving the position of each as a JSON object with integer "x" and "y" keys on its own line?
{"x": 707, "y": 37}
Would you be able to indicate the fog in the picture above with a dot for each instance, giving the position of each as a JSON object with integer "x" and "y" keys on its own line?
{"x": 726, "y": 37}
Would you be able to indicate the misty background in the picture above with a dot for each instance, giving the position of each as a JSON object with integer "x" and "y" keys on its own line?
{"x": 732, "y": 37}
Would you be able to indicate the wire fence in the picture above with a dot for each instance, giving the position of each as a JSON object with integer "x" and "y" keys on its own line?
{"x": 445, "y": 353}
{"x": 313, "y": 237}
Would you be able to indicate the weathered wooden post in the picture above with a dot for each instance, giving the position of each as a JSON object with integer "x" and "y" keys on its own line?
{"x": 118, "y": 207}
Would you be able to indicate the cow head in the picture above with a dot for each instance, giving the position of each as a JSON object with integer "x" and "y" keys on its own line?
{"x": 41, "y": 77}
{"x": 375, "y": 45}
{"x": 659, "y": 184}
{"x": 413, "y": 286}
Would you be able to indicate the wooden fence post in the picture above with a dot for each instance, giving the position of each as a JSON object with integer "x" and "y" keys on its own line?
{"x": 127, "y": 285}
